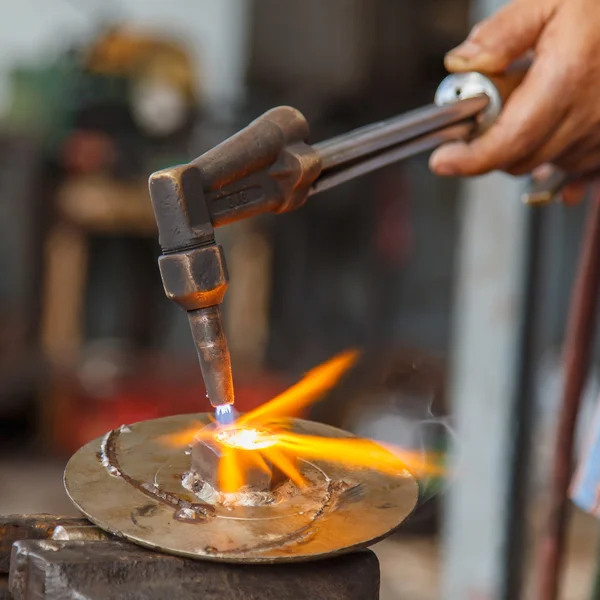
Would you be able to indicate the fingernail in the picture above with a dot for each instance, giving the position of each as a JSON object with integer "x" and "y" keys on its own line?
{"x": 441, "y": 167}
{"x": 466, "y": 50}
{"x": 462, "y": 56}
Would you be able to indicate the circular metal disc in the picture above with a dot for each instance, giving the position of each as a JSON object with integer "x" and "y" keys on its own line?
{"x": 129, "y": 484}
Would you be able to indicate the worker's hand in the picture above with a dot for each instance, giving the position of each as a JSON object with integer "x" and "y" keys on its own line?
{"x": 554, "y": 115}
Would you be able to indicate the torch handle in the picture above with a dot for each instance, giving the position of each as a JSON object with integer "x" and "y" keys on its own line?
{"x": 497, "y": 87}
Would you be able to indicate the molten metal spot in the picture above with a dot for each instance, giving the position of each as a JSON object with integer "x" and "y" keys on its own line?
{"x": 246, "y": 438}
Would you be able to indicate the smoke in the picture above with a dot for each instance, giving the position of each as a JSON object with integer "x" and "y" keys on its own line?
{"x": 406, "y": 422}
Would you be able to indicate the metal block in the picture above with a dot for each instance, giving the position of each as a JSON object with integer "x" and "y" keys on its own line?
{"x": 79, "y": 533}
{"x": 28, "y": 527}
{"x": 53, "y": 570}
{"x": 260, "y": 474}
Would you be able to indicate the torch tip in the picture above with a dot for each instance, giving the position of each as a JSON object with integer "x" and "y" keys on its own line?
{"x": 225, "y": 415}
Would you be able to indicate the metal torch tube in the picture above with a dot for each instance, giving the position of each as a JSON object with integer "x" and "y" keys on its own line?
{"x": 361, "y": 143}
{"x": 213, "y": 354}
{"x": 417, "y": 146}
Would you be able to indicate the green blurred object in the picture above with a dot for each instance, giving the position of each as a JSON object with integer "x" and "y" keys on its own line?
{"x": 438, "y": 451}
{"x": 113, "y": 88}
{"x": 46, "y": 100}
{"x": 40, "y": 101}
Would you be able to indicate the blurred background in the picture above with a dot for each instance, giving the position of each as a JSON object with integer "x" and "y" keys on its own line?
{"x": 422, "y": 273}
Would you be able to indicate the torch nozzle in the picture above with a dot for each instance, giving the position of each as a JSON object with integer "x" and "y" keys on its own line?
{"x": 213, "y": 354}
{"x": 225, "y": 415}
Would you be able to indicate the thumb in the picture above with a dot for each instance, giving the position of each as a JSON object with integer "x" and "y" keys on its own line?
{"x": 496, "y": 42}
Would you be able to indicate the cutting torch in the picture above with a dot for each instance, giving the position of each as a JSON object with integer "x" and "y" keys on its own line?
{"x": 269, "y": 167}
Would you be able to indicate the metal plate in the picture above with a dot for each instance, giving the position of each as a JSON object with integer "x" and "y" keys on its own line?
{"x": 140, "y": 497}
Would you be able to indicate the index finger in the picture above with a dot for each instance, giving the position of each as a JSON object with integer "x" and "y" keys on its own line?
{"x": 529, "y": 118}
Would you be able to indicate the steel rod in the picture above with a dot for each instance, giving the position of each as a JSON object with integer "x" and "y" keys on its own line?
{"x": 577, "y": 354}
{"x": 515, "y": 544}
{"x": 416, "y": 146}
{"x": 379, "y": 136}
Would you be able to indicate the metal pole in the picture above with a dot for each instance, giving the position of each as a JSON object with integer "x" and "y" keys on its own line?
{"x": 577, "y": 356}
{"x": 488, "y": 334}
{"x": 488, "y": 319}
{"x": 523, "y": 409}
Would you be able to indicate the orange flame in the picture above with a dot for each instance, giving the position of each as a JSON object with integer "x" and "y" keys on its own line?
{"x": 359, "y": 453}
{"x": 308, "y": 390}
{"x": 246, "y": 444}
{"x": 181, "y": 439}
